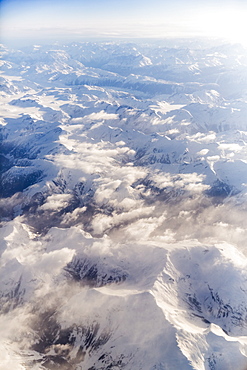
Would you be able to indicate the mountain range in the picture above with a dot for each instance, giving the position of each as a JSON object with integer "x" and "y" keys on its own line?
{"x": 123, "y": 206}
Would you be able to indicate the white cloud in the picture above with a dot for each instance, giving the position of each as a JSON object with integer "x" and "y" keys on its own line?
{"x": 191, "y": 182}
{"x": 102, "y": 115}
{"x": 203, "y": 152}
{"x": 56, "y": 202}
{"x": 51, "y": 263}
{"x": 101, "y": 223}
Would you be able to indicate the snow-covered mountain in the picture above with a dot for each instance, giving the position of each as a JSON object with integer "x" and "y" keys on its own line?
{"x": 123, "y": 207}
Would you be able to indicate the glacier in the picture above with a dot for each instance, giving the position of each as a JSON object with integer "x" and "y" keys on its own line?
{"x": 123, "y": 206}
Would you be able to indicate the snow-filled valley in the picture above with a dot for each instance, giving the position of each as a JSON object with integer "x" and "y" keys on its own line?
{"x": 123, "y": 206}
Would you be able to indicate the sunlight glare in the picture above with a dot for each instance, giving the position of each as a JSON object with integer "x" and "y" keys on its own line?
{"x": 229, "y": 24}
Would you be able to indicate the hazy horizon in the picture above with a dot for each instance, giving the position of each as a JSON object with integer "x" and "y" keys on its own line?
{"x": 29, "y": 21}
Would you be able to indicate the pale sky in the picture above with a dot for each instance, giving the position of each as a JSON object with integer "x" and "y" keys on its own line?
{"x": 58, "y": 19}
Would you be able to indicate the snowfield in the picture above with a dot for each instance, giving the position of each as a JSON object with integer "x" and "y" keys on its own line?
{"x": 123, "y": 207}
